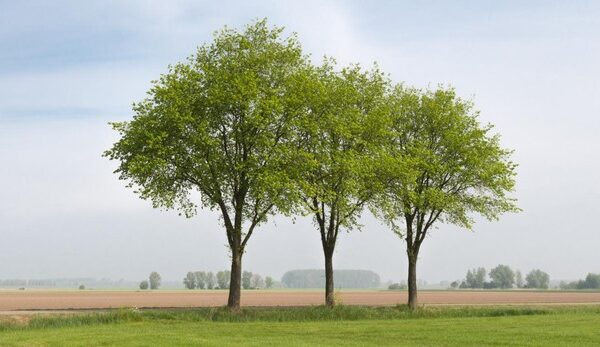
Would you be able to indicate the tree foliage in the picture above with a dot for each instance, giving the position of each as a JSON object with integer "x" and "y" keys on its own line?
{"x": 211, "y": 280}
{"x": 442, "y": 166}
{"x": 200, "y": 277}
{"x": 337, "y": 144}
{"x": 343, "y": 278}
{"x": 155, "y": 280}
{"x": 246, "y": 279}
{"x": 212, "y": 133}
{"x": 269, "y": 282}
{"x": 189, "y": 281}
{"x": 537, "y": 279}
{"x": 476, "y": 278}
{"x": 223, "y": 279}
{"x": 502, "y": 276}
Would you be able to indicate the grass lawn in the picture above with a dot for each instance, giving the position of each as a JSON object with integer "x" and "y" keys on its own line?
{"x": 297, "y": 327}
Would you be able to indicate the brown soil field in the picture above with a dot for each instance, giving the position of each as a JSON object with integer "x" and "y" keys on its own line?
{"x": 35, "y": 300}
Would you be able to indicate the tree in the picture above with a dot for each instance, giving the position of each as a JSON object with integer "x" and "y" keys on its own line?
{"x": 154, "y": 280}
{"x": 200, "y": 279}
{"x": 223, "y": 279}
{"x": 210, "y": 280}
{"x": 336, "y": 141}
{"x": 441, "y": 166}
{"x": 470, "y": 279}
{"x": 246, "y": 279}
{"x": 212, "y": 134}
{"x": 268, "y": 282}
{"x": 475, "y": 278}
{"x": 144, "y": 285}
{"x": 454, "y": 285}
{"x": 537, "y": 279}
{"x": 189, "y": 281}
{"x": 502, "y": 276}
{"x": 592, "y": 281}
{"x": 257, "y": 281}
{"x": 519, "y": 279}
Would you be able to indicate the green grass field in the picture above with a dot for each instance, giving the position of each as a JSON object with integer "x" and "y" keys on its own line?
{"x": 349, "y": 326}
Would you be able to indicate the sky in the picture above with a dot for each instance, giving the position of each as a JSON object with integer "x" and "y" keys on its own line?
{"x": 67, "y": 68}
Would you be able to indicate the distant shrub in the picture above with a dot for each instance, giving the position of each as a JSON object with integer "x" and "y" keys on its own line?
{"x": 144, "y": 285}
{"x": 81, "y": 287}
{"x": 397, "y": 286}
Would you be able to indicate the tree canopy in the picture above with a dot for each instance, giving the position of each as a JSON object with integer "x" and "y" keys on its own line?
{"x": 212, "y": 133}
{"x": 338, "y": 138}
{"x": 442, "y": 166}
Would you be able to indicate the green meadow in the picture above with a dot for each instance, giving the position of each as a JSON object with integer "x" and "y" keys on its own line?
{"x": 343, "y": 325}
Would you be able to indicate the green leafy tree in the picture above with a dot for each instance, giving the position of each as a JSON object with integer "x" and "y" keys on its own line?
{"x": 223, "y": 279}
{"x": 502, "y": 276}
{"x": 442, "y": 166}
{"x": 519, "y": 279}
{"x": 144, "y": 285}
{"x": 154, "y": 280}
{"x": 269, "y": 282}
{"x": 200, "y": 277}
{"x": 246, "y": 279}
{"x": 592, "y": 281}
{"x": 537, "y": 279}
{"x": 212, "y": 134}
{"x": 476, "y": 278}
{"x": 257, "y": 281}
{"x": 189, "y": 281}
{"x": 336, "y": 141}
{"x": 211, "y": 280}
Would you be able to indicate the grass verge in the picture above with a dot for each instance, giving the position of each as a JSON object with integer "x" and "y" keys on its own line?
{"x": 283, "y": 314}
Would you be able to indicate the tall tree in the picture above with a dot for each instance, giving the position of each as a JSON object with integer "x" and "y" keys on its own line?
{"x": 212, "y": 133}
{"x": 246, "y": 279}
{"x": 476, "y": 278}
{"x": 200, "y": 279}
{"x": 519, "y": 279}
{"x": 336, "y": 141}
{"x": 502, "y": 276}
{"x": 223, "y": 279}
{"x": 442, "y": 166}
{"x": 269, "y": 282}
{"x": 154, "y": 280}
{"x": 537, "y": 279}
{"x": 210, "y": 280}
{"x": 189, "y": 281}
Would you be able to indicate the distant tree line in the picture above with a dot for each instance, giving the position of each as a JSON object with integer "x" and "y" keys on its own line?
{"x": 503, "y": 277}
{"x": 591, "y": 281}
{"x": 343, "y": 279}
{"x": 208, "y": 280}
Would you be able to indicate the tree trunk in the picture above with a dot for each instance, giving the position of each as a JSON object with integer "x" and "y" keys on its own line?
{"x": 235, "y": 281}
{"x": 329, "y": 290}
{"x": 412, "y": 281}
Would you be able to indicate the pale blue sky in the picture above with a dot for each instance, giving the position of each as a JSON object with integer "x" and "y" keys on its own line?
{"x": 68, "y": 67}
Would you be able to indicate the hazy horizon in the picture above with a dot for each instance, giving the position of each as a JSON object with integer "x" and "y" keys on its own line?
{"x": 68, "y": 68}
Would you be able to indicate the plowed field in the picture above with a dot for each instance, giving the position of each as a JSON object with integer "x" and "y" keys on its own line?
{"x": 11, "y": 300}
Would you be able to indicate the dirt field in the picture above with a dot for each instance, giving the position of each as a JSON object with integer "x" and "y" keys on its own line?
{"x": 11, "y": 300}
